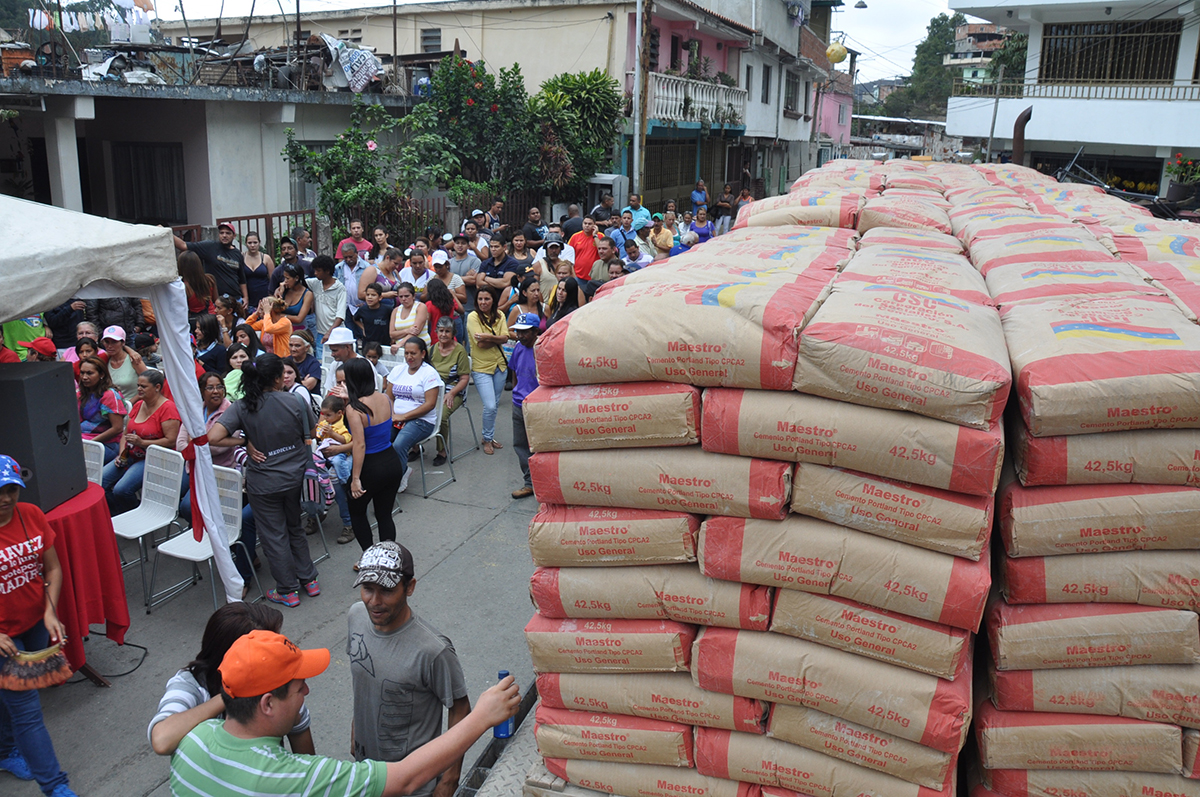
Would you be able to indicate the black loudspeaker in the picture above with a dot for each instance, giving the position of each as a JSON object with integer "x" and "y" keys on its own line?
{"x": 40, "y": 431}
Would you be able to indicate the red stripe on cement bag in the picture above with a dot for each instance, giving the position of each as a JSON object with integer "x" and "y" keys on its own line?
{"x": 921, "y": 708}
{"x": 887, "y": 211}
{"x": 731, "y": 333}
{"x": 1049, "y": 246}
{"x": 591, "y": 536}
{"x": 1067, "y": 635}
{"x": 1153, "y": 456}
{"x": 815, "y": 206}
{"x": 598, "y": 646}
{"x": 1167, "y": 579}
{"x": 682, "y": 479}
{"x": 796, "y": 427}
{"x": 925, "y": 517}
{"x": 919, "y": 269}
{"x": 777, "y": 764}
{"x": 631, "y": 415}
{"x": 915, "y": 239}
{"x": 611, "y": 737}
{"x": 661, "y": 696}
{"x": 676, "y": 592}
{"x": 1031, "y": 282}
{"x": 1191, "y": 753}
{"x": 1042, "y": 740}
{"x": 1055, "y": 783}
{"x": 644, "y": 780}
{"x": 897, "y": 348}
{"x": 1104, "y": 365}
{"x": 811, "y": 555}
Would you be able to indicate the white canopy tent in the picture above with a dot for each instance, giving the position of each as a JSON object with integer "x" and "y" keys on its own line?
{"x": 50, "y": 255}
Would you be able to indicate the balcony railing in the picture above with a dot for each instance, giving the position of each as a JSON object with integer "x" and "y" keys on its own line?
{"x": 1090, "y": 90}
{"x": 677, "y": 99}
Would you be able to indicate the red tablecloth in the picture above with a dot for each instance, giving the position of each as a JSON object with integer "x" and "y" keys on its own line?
{"x": 93, "y": 589}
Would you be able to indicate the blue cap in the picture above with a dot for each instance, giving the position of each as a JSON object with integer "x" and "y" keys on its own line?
{"x": 527, "y": 321}
{"x": 10, "y": 471}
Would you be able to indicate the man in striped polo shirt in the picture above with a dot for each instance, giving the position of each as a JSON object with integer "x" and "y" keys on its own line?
{"x": 263, "y": 683}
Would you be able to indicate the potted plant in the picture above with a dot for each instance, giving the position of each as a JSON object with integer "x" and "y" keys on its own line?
{"x": 1184, "y": 174}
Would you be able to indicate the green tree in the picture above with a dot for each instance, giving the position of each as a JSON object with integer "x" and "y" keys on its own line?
{"x": 1011, "y": 56}
{"x": 929, "y": 86}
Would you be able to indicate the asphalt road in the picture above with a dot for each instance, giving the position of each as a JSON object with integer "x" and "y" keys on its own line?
{"x": 470, "y": 546}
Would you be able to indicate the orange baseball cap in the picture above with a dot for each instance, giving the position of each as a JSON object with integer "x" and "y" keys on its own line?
{"x": 263, "y": 660}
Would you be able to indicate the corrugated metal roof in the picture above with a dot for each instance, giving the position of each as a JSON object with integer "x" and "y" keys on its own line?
{"x": 724, "y": 19}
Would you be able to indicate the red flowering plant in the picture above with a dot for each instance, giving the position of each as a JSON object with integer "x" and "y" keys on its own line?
{"x": 1184, "y": 169}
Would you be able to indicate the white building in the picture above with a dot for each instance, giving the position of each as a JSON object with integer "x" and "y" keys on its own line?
{"x": 1116, "y": 77}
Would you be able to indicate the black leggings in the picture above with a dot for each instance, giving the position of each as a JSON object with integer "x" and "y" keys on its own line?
{"x": 380, "y": 477}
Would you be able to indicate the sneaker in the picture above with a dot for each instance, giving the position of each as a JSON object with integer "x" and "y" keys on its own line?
{"x": 17, "y": 765}
{"x": 62, "y": 790}
{"x": 313, "y": 588}
{"x": 290, "y": 599}
{"x": 346, "y": 536}
{"x": 524, "y": 492}
{"x": 439, "y": 460}
{"x": 404, "y": 479}
{"x": 414, "y": 454}
{"x": 496, "y": 445}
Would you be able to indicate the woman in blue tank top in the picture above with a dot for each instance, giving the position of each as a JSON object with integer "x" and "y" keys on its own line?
{"x": 376, "y": 469}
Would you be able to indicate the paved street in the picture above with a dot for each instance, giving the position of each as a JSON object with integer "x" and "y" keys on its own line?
{"x": 469, "y": 541}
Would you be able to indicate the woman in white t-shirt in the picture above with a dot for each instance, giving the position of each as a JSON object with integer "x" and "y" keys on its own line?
{"x": 414, "y": 391}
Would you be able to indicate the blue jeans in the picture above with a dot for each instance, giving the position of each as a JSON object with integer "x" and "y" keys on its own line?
{"x": 21, "y": 723}
{"x": 244, "y": 566}
{"x": 343, "y": 505}
{"x": 122, "y": 484}
{"x": 110, "y": 452}
{"x": 343, "y": 466}
{"x": 412, "y": 433}
{"x": 491, "y": 388}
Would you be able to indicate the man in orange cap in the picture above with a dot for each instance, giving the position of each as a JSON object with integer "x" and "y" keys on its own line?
{"x": 263, "y": 684}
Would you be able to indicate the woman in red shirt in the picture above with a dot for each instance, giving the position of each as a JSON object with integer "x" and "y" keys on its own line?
{"x": 153, "y": 421}
{"x": 30, "y": 580}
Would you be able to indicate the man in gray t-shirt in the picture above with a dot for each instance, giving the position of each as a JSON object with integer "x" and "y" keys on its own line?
{"x": 403, "y": 669}
{"x": 465, "y": 264}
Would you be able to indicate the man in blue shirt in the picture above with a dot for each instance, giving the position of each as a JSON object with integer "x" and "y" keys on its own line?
{"x": 523, "y": 366}
{"x": 639, "y": 212}
{"x": 625, "y": 232}
{"x": 350, "y": 271}
{"x": 498, "y": 269}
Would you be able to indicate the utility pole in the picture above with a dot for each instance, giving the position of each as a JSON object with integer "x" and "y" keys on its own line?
{"x": 995, "y": 110}
{"x": 637, "y": 105}
{"x": 395, "y": 48}
{"x": 643, "y": 97}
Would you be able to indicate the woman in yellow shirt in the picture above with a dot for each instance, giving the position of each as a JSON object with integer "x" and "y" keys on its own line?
{"x": 488, "y": 332}
{"x": 273, "y": 327}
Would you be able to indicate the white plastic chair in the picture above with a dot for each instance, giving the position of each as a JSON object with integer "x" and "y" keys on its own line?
{"x": 93, "y": 460}
{"x": 184, "y": 546}
{"x": 434, "y": 435}
{"x": 162, "y": 484}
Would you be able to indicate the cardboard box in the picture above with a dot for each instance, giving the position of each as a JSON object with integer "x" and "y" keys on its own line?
{"x": 594, "y": 536}
{"x": 635, "y": 415}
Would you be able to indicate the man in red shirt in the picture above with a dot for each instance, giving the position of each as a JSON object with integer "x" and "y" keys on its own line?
{"x": 584, "y": 243}
{"x": 356, "y": 237}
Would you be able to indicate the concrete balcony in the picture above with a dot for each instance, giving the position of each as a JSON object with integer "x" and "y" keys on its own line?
{"x": 677, "y": 99}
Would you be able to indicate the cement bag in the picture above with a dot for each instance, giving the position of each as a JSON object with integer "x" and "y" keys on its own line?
{"x": 924, "y": 517}
{"x": 885, "y": 212}
{"x": 914, "y": 239}
{"x": 1093, "y": 518}
{"x": 820, "y": 207}
{"x": 921, "y": 708}
{"x": 739, "y": 334}
{"x": 1155, "y": 456}
{"x": 1055, "y": 637}
{"x": 596, "y": 646}
{"x": 1158, "y": 245}
{"x": 768, "y": 263}
{"x": 974, "y": 194}
{"x": 900, "y": 445}
{"x": 1168, "y": 579}
{"x": 1049, "y": 246}
{"x": 877, "y": 634}
{"x": 1029, "y": 740}
{"x": 1034, "y": 282}
{"x": 831, "y": 237}
{"x": 1103, "y": 365}
{"x": 909, "y": 180}
{"x": 934, "y": 198}
{"x": 611, "y": 737}
{"x": 1056, "y": 783}
{"x": 897, "y": 348}
{"x": 633, "y": 415}
{"x": 814, "y": 556}
{"x": 859, "y": 179}
{"x": 774, "y": 763}
{"x": 1191, "y": 753}
{"x": 644, "y": 780}
{"x": 919, "y": 269}
{"x": 682, "y": 479}
{"x": 860, "y": 745}
{"x": 671, "y": 697}
{"x": 592, "y": 536}
{"x": 996, "y": 222}
{"x": 674, "y": 592}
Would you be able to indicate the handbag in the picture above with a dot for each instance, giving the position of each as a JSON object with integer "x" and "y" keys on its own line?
{"x": 35, "y": 669}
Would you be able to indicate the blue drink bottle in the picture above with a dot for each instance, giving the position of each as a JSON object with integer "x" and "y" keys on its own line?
{"x": 505, "y": 729}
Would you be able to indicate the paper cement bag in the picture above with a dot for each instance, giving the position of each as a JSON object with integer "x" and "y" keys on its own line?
{"x": 1156, "y": 692}
{"x": 634, "y": 415}
{"x": 925, "y": 517}
{"x": 919, "y": 269}
{"x": 1041, "y": 740}
{"x": 681, "y": 479}
{"x": 1068, "y": 635}
{"x": 812, "y": 555}
{"x": 877, "y": 634}
{"x": 1057, "y": 245}
{"x": 888, "y": 211}
{"x": 611, "y": 737}
{"x": 774, "y": 763}
{"x": 859, "y": 745}
{"x": 815, "y": 206}
{"x": 1151, "y": 456}
{"x": 739, "y": 261}
{"x": 1191, "y": 753}
{"x": 600, "y": 646}
{"x": 1168, "y": 579}
{"x": 915, "y": 239}
{"x": 921, "y": 708}
{"x": 897, "y": 348}
{"x": 1033, "y": 282}
{"x": 1182, "y": 243}
{"x": 1095, "y": 518}
{"x": 993, "y": 222}
{"x": 795, "y": 234}
{"x": 909, "y": 180}
{"x": 645, "y": 780}
{"x": 796, "y": 427}
{"x": 595, "y": 536}
{"x": 1104, "y": 365}
{"x": 1056, "y": 783}
{"x": 675, "y": 592}
{"x": 665, "y": 696}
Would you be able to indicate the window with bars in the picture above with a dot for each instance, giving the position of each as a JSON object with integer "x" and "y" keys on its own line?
{"x": 1110, "y": 52}
{"x": 431, "y": 40}
{"x": 791, "y": 91}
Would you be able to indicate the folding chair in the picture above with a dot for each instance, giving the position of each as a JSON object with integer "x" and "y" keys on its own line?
{"x": 434, "y": 435}
{"x": 162, "y": 484}
{"x": 93, "y": 459}
{"x": 450, "y": 455}
{"x": 316, "y": 517}
{"x": 185, "y": 547}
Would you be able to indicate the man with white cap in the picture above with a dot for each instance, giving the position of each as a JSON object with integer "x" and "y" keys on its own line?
{"x": 343, "y": 350}
{"x": 525, "y": 373}
{"x": 404, "y": 671}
